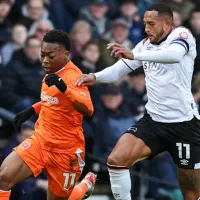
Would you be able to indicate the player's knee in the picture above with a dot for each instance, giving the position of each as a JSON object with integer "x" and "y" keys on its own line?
{"x": 117, "y": 161}
{"x": 6, "y": 183}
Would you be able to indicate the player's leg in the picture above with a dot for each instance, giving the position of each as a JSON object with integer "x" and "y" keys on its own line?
{"x": 63, "y": 170}
{"x": 184, "y": 146}
{"x": 138, "y": 143}
{"x": 128, "y": 150}
{"x": 189, "y": 180}
{"x": 82, "y": 191}
{"x": 52, "y": 196}
{"x": 22, "y": 163}
{"x": 12, "y": 171}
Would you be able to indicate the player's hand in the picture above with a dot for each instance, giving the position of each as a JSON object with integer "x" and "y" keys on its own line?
{"x": 86, "y": 79}
{"x": 120, "y": 51}
{"x": 54, "y": 79}
{"x": 22, "y": 117}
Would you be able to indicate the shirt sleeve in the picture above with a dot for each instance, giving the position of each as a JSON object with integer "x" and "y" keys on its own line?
{"x": 79, "y": 94}
{"x": 183, "y": 37}
{"x": 173, "y": 54}
{"x": 119, "y": 69}
{"x": 37, "y": 107}
{"x": 180, "y": 42}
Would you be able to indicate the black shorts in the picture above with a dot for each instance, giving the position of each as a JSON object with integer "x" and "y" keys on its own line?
{"x": 181, "y": 140}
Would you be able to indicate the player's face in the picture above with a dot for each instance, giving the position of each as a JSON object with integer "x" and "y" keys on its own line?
{"x": 156, "y": 26}
{"x": 54, "y": 57}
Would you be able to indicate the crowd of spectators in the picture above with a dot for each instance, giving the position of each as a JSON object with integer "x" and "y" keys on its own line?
{"x": 91, "y": 24}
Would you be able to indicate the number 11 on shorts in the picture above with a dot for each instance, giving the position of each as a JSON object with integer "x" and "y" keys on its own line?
{"x": 69, "y": 180}
{"x": 180, "y": 150}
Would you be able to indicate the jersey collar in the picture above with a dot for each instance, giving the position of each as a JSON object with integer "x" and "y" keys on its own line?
{"x": 158, "y": 43}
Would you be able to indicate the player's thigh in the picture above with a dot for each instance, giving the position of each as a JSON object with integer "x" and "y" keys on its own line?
{"x": 52, "y": 196}
{"x": 13, "y": 170}
{"x": 189, "y": 181}
{"x": 139, "y": 142}
{"x": 128, "y": 150}
{"x": 63, "y": 171}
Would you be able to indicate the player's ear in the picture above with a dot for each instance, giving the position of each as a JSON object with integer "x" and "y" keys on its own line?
{"x": 66, "y": 54}
{"x": 167, "y": 24}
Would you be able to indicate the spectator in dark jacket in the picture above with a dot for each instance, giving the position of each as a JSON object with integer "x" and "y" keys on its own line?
{"x": 23, "y": 76}
{"x": 31, "y": 188}
{"x": 5, "y": 25}
{"x": 111, "y": 119}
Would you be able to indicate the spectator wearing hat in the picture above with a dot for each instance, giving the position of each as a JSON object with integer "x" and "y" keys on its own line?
{"x": 129, "y": 11}
{"x": 111, "y": 118}
{"x": 137, "y": 97}
{"x": 119, "y": 33}
{"x": 95, "y": 15}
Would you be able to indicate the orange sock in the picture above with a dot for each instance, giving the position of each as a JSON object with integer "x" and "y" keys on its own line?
{"x": 4, "y": 195}
{"x": 78, "y": 192}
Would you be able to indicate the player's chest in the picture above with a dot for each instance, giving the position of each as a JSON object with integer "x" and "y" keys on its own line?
{"x": 154, "y": 67}
{"x": 52, "y": 96}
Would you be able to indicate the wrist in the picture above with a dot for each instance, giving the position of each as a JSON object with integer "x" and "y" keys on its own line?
{"x": 93, "y": 76}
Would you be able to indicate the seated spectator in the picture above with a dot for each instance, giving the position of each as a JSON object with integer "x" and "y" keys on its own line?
{"x": 40, "y": 28}
{"x": 5, "y": 26}
{"x": 95, "y": 15}
{"x": 129, "y": 11}
{"x": 137, "y": 97}
{"x": 119, "y": 33}
{"x": 18, "y": 38}
{"x": 184, "y": 7}
{"x": 80, "y": 35}
{"x": 33, "y": 11}
{"x": 111, "y": 119}
{"x": 31, "y": 188}
{"x": 89, "y": 58}
{"x": 177, "y": 19}
{"x": 163, "y": 168}
{"x": 143, "y": 5}
{"x": 194, "y": 25}
{"x": 22, "y": 83}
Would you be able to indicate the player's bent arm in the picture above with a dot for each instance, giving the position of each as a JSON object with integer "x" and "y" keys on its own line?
{"x": 117, "y": 71}
{"x": 173, "y": 54}
{"x": 37, "y": 107}
{"x": 81, "y": 100}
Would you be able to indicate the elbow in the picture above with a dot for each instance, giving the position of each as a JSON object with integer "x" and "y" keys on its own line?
{"x": 89, "y": 112}
{"x": 176, "y": 60}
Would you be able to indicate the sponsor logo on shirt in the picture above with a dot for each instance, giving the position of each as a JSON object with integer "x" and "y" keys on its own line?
{"x": 49, "y": 99}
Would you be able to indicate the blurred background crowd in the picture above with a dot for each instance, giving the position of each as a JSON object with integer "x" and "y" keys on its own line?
{"x": 91, "y": 24}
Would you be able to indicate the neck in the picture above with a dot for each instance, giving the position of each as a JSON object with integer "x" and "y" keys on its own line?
{"x": 164, "y": 35}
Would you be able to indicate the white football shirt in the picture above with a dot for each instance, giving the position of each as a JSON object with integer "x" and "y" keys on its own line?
{"x": 168, "y": 67}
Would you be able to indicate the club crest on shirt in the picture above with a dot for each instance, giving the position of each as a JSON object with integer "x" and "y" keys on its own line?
{"x": 25, "y": 145}
{"x": 183, "y": 35}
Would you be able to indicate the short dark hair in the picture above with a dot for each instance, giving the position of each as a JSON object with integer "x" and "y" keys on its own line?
{"x": 162, "y": 9}
{"x": 58, "y": 37}
{"x": 30, "y": 38}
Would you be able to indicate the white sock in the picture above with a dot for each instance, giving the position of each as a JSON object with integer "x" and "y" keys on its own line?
{"x": 120, "y": 182}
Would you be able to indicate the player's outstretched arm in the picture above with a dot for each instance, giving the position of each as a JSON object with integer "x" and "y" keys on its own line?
{"x": 173, "y": 54}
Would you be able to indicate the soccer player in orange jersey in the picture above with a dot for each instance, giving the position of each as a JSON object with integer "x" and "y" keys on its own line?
{"x": 57, "y": 144}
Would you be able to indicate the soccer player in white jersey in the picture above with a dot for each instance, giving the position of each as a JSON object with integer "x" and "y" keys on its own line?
{"x": 171, "y": 122}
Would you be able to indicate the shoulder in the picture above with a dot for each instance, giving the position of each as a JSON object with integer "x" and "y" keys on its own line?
{"x": 181, "y": 32}
{"x": 71, "y": 73}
